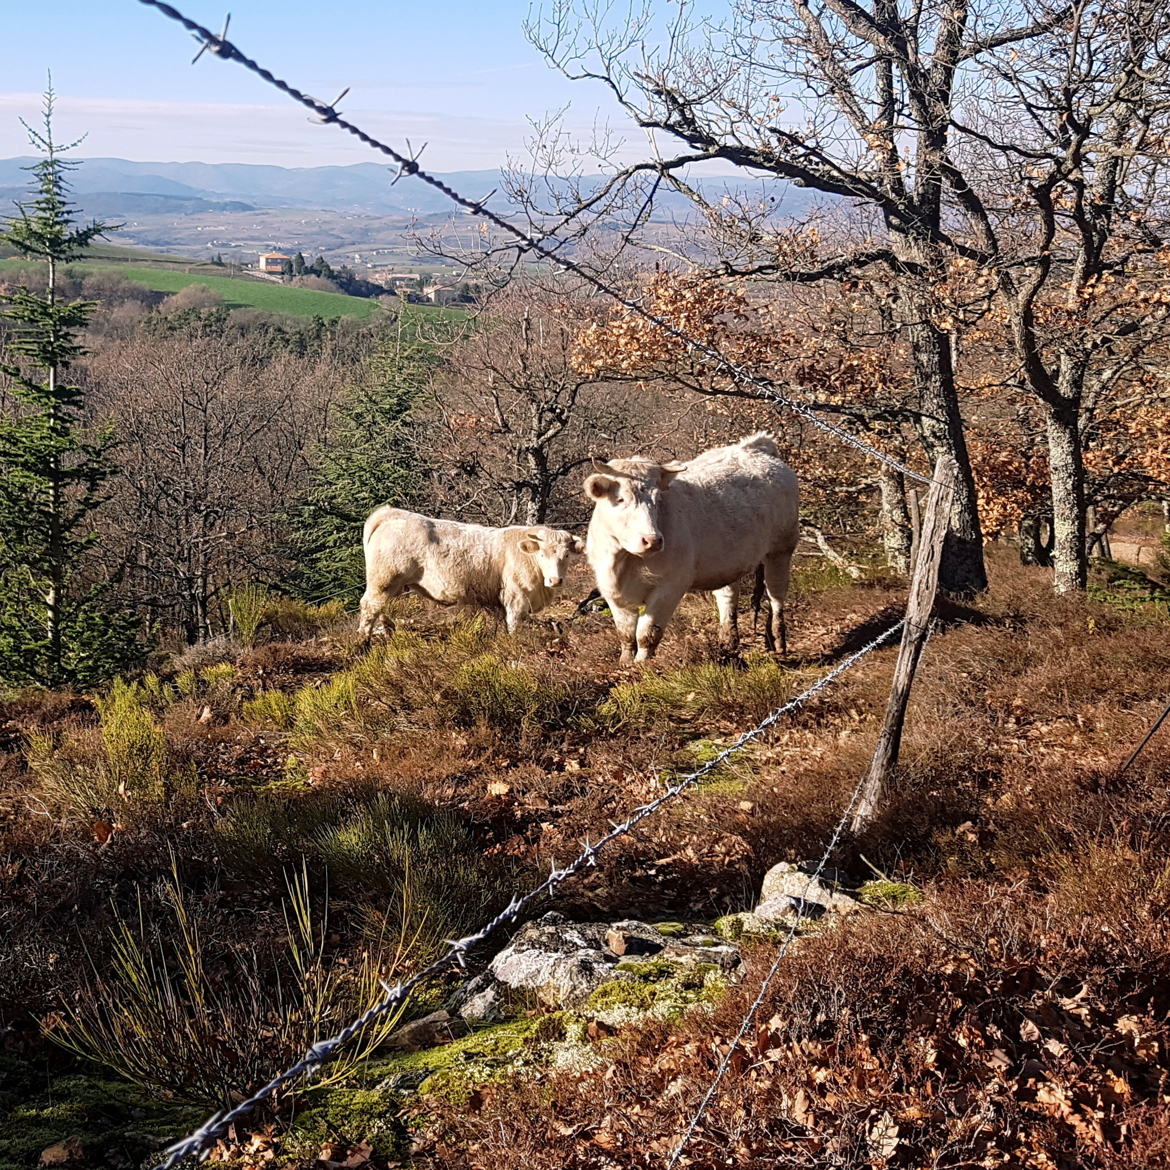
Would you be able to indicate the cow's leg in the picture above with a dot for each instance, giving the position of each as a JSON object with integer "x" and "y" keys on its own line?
{"x": 656, "y": 615}
{"x": 515, "y": 610}
{"x": 759, "y": 601}
{"x": 727, "y": 603}
{"x": 776, "y": 572}
{"x": 374, "y": 602}
{"x": 626, "y": 623}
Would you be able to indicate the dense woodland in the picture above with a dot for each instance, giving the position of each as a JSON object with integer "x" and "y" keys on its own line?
{"x": 224, "y": 819}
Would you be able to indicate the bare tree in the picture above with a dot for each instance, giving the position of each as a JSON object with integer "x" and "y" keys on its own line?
{"x": 213, "y": 441}
{"x": 514, "y": 418}
{"x": 1023, "y": 139}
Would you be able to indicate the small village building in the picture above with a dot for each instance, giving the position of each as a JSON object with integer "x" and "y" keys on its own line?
{"x": 271, "y": 262}
{"x": 442, "y": 294}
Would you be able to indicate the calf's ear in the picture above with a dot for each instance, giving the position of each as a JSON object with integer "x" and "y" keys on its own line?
{"x": 578, "y": 545}
{"x": 529, "y": 545}
{"x": 597, "y": 487}
{"x": 668, "y": 472}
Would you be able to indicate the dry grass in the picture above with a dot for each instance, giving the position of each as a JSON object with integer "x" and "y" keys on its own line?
{"x": 1044, "y": 872}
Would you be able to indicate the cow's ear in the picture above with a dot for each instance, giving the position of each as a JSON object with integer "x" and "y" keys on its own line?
{"x": 668, "y": 472}
{"x": 578, "y": 545}
{"x": 598, "y": 487}
{"x": 529, "y": 545}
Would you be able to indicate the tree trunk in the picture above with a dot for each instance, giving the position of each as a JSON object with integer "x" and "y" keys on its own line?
{"x": 1070, "y": 564}
{"x": 1097, "y": 541}
{"x": 963, "y": 571}
{"x": 1033, "y": 548}
{"x": 897, "y": 534}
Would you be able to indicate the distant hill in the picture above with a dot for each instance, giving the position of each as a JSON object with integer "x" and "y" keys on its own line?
{"x": 106, "y": 205}
{"x": 362, "y": 187}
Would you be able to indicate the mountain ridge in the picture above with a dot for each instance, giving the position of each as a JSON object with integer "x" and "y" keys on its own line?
{"x": 365, "y": 187}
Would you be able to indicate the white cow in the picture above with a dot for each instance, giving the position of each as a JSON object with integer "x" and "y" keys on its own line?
{"x": 659, "y": 531}
{"x": 509, "y": 571}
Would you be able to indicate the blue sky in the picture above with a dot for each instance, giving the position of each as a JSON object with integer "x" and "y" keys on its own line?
{"x": 455, "y": 73}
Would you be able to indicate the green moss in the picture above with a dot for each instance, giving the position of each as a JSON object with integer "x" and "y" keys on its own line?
{"x": 730, "y": 927}
{"x": 670, "y": 929}
{"x": 370, "y": 1113}
{"x": 114, "y": 1120}
{"x": 622, "y": 993}
{"x": 490, "y": 1054}
{"x": 659, "y": 988}
{"x": 734, "y": 927}
{"x": 722, "y": 785}
{"x": 703, "y": 751}
{"x": 887, "y": 895}
{"x": 453, "y": 1070}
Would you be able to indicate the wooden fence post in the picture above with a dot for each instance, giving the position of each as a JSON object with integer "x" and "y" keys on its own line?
{"x": 923, "y": 587}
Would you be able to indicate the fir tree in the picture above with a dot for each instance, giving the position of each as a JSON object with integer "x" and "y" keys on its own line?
{"x": 371, "y": 458}
{"x": 57, "y": 626}
{"x": 321, "y": 267}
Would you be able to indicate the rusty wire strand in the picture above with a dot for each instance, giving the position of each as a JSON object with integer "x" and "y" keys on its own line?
{"x": 759, "y": 387}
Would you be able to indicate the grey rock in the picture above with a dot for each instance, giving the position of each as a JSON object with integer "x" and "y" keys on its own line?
{"x": 479, "y": 999}
{"x": 790, "y": 890}
{"x": 438, "y": 1028}
{"x": 562, "y": 963}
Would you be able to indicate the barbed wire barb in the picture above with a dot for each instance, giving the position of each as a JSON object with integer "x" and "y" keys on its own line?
{"x": 329, "y": 111}
{"x": 214, "y": 43}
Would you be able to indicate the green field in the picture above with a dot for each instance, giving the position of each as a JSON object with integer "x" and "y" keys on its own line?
{"x": 238, "y": 293}
{"x": 251, "y": 294}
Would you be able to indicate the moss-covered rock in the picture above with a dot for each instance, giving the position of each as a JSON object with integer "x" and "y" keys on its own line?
{"x": 455, "y": 1069}
{"x": 658, "y": 988}
{"x": 371, "y": 1111}
{"x": 745, "y": 924}
{"x": 888, "y": 895}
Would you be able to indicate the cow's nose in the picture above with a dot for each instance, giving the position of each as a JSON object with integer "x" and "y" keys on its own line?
{"x": 553, "y": 582}
{"x": 652, "y": 543}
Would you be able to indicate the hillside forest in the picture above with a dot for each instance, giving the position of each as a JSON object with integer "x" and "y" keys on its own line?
{"x": 226, "y": 820}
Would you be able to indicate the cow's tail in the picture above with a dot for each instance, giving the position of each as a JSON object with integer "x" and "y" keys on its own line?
{"x": 373, "y": 523}
{"x": 757, "y": 597}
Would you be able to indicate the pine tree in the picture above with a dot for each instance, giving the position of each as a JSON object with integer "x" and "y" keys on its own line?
{"x": 57, "y": 626}
{"x": 371, "y": 458}
{"x": 298, "y": 264}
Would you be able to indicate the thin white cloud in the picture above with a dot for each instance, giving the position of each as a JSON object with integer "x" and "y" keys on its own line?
{"x": 279, "y": 135}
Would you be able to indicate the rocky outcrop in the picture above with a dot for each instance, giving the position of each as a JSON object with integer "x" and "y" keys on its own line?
{"x": 794, "y": 893}
{"x": 561, "y": 963}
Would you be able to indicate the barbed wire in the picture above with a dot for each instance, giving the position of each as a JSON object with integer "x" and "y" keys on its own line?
{"x": 547, "y": 247}
{"x": 327, "y": 114}
{"x": 200, "y": 1139}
